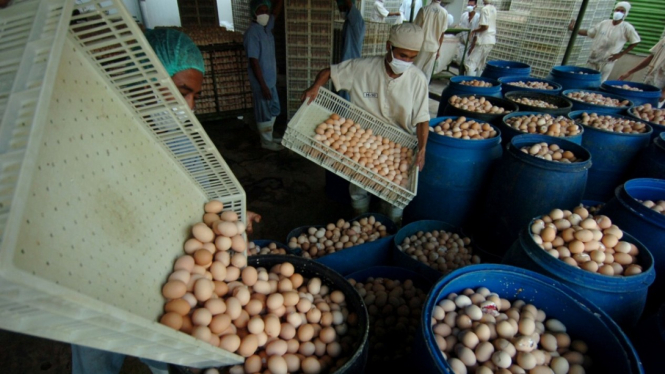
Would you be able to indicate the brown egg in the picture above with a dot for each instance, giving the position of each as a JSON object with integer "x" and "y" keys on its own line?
{"x": 249, "y": 276}
{"x": 275, "y": 301}
{"x": 223, "y": 256}
{"x": 203, "y": 233}
{"x": 233, "y": 307}
{"x": 277, "y": 365}
{"x": 218, "y": 271}
{"x": 203, "y": 289}
{"x": 287, "y": 269}
{"x": 192, "y": 245}
{"x": 239, "y": 260}
{"x": 180, "y": 306}
{"x": 248, "y": 345}
{"x": 232, "y": 274}
{"x": 228, "y": 229}
{"x": 292, "y": 362}
{"x": 172, "y": 320}
{"x": 219, "y": 323}
{"x": 253, "y": 364}
{"x": 221, "y": 288}
{"x": 272, "y": 325}
{"x": 203, "y": 257}
{"x": 262, "y": 287}
{"x": 201, "y": 317}
{"x": 186, "y": 325}
{"x": 254, "y": 307}
{"x": 202, "y": 333}
{"x": 181, "y": 275}
{"x": 184, "y": 263}
{"x": 210, "y": 218}
{"x": 230, "y": 342}
{"x": 229, "y": 215}
{"x": 215, "y": 306}
{"x": 214, "y": 206}
{"x": 305, "y": 333}
{"x": 174, "y": 289}
{"x": 276, "y": 347}
{"x": 296, "y": 280}
{"x": 223, "y": 243}
{"x": 310, "y": 365}
{"x": 238, "y": 243}
{"x": 242, "y": 294}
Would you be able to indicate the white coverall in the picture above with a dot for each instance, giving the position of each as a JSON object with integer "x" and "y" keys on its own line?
{"x": 434, "y": 21}
{"x": 475, "y": 62}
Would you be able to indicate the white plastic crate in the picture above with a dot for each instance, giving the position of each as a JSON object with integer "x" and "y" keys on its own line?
{"x": 103, "y": 169}
{"x": 241, "y": 15}
{"x": 299, "y": 137}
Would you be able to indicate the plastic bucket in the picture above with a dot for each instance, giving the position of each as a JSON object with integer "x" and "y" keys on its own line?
{"x": 507, "y": 87}
{"x": 456, "y": 88}
{"x": 657, "y": 128}
{"x": 454, "y": 177}
{"x": 650, "y": 163}
{"x": 497, "y": 69}
{"x": 523, "y": 186}
{"x": 612, "y": 154}
{"x": 494, "y": 119}
{"x": 609, "y": 348}
{"x": 622, "y": 297}
{"x": 645, "y": 224}
{"x": 584, "y": 106}
{"x": 571, "y": 77}
{"x": 508, "y": 132}
{"x": 564, "y": 106}
{"x": 355, "y": 304}
{"x": 649, "y": 340}
{"x": 649, "y": 94}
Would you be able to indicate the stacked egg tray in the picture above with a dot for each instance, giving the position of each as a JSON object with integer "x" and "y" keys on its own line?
{"x": 299, "y": 137}
{"x": 241, "y": 15}
{"x": 198, "y": 12}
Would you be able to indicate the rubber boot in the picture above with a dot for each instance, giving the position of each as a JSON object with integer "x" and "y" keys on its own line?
{"x": 394, "y": 213}
{"x": 265, "y": 131}
{"x": 359, "y": 199}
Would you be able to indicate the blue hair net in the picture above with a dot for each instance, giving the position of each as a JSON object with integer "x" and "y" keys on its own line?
{"x": 257, "y": 3}
{"x": 175, "y": 50}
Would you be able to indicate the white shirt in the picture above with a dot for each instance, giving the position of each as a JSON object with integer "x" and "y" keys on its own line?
{"x": 401, "y": 102}
{"x": 380, "y": 12}
{"x": 609, "y": 39}
{"x": 487, "y": 18}
{"x": 656, "y": 71}
{"x": 464, "y": 22}
{"x": 405, "y": 9}
{"x": 434, "y": 21}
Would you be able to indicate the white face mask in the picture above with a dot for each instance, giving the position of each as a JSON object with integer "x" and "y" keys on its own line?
{"x": 617, "y": 16}
{"x": 469, "y": 9}
{"x": 262, "y": 19}
{"x": 398, "y": 66}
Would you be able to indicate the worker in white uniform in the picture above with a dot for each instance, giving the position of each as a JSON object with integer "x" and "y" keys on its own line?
{"x": 379, "y": 12}
{"x": 656, "y": 72}
{"x": 389, "y": 88}
{"x": 405, "y": 9}
{"x": 469, "y": 20}
{"x": 434, "y": 21}
{"x": 483, "y": 40}
{"x": 609, "y": 38}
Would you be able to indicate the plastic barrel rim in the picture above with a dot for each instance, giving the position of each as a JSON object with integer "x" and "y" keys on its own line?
{"x": 459, "y": 142}
{"x": 575, "y": 115}
{"x": 514, "y": 148}
{"x": 493, "y": 118}
{"x": 658, "y": 129}
{"x": 568, "y": 77}
{"x": 510, "y": 132}
{"x": 581, "y": 105}
{"x": 456, "y": 88}
{"x": 507, "y": 87}
{"x": 564, "y": 106}
{"x": 649, "y": 94}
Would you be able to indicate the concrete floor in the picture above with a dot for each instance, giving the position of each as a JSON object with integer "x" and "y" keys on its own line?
{"x": 285, "y": 188}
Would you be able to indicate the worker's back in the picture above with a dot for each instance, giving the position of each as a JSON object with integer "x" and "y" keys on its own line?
{"x": 434, "y": 21}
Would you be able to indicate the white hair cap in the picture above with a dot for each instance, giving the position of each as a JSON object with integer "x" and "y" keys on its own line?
{"x": 407, "y": 35}
{"x": 624, "y": 4}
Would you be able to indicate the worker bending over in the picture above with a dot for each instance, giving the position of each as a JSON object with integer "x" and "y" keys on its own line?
{"x": 389, "y": 88}
{"x": 483, "y": 40}
{"x": 609, "y": 38}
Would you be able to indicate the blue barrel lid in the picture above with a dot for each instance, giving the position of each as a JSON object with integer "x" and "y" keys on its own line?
{"x": 575, "y": 115}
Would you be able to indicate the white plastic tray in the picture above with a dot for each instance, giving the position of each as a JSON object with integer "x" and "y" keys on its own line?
{"x": 299, "y": 137}
{"x": 103, "y": 168}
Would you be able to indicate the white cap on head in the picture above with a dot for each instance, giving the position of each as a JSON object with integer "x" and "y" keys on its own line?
{"x": 407, "y": 35}
{"x": 487, "y": 1}
{"x": 624, "y": 4}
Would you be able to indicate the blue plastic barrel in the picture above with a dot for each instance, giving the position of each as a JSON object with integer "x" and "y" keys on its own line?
{"x": 497, "y": 69}
{"x": 507, "y": 87}
{"x": 621, "y": 297}
{"x": 581, "y": 105}
{"x": 657, "y": 128}
{"x": 612, "y": 154}
{"x": 454, "y": 177}
{"x": 650, "y": 163}
{"x": 563, "y": 105}
{"x": 648, "y": 337}
{"x": 508, "y": 132}
{"x": 570, "y": 77}
{"x": 523, "y": 186}
{"x": 455, "y": 87}
{"x": 649, "y": 94}
{"x": 609, "y": 348}
{"x": 645, "y": 224}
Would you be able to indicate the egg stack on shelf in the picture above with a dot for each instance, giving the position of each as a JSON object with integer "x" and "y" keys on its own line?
{"x": 241, "y": 15}
{"x": 309, "y": 42}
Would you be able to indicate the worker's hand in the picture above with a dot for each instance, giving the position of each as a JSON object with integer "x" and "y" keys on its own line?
{"x": 571, "y": 25}
{"x": 421, "y": 159}
{"x": 310, "y": 94}
{"x": 266, "y": 92}
{"x": 252, "y": 217}
{"x": 615, "y": 57}
{"x": 625, "y": 76}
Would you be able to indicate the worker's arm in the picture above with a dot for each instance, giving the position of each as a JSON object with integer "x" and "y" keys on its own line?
{"x": 637, "y": 68}
{"x": 422, "y": 131}
{"x": 582, "y": 32}
{"x": 256, "y": 69}
{"x": 321, "y": 79}
{"x": 617, "y": 56}
{"x": 277, "y": 7}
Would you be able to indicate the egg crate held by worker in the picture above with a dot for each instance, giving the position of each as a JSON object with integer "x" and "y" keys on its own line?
{"x": 300, "y": 138}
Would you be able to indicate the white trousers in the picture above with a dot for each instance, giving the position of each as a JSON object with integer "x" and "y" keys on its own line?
{"x": 605, "y": 68}
{"x": 425, "y": 62}
{"x": 476, "y": 60}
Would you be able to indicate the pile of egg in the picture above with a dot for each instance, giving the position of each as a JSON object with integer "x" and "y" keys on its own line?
{"x": 379, "y": 154}
{"x": 476, "y": 83}
{"x": 613, "y": 124}
{"x": 532, "y": 84}
{"x": 480, "y": 332}
{"x": 544, "y": 124}
{"x": 596, "y": 99}
{"x": 318, "y": 242}
{"x": 442, "y": 251}
{"x": 651, "y": 114}
{"x": 627, "y": 87}
{"x": 593, "y": 209}
{"x": 275, "y": 318}
{"x": 588, "y": 242}
{"x": 550, "y": 152}
{"x": 270, "y": 249}
{"x": 474, "y": 104}
{"x": 534, "y": 102}
{"x": 463, "y": 128}
{"x": 394, "y": 309}
{"x": 658, "y": 206}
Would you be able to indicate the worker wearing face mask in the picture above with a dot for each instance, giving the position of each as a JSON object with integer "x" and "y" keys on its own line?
{"x": 389, "y": 88}
{"x": 260, "y": 49}
{"x": 483, "y": 40}
{"x": 469, "y": 20}
{"x": 656, "y": 64}
{"x": 353, "y": 33}
{"x": 434, "y": 21}
{"x": 609, "y": 38}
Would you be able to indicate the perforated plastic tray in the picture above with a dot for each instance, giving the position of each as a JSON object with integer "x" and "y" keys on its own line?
{"x": 299, "y": 137}
{"x": 103, "y": 169}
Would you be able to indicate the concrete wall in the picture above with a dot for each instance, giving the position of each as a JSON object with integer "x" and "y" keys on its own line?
{"x": 626, "y": 63}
